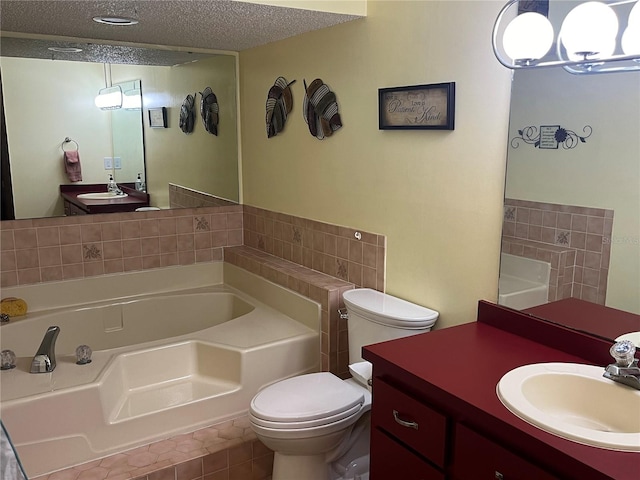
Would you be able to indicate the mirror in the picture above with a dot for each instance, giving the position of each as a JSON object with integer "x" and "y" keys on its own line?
{"x": 573, "y": 186}
{"x": 46, "y": 101}
{"x": 126, "y": 134}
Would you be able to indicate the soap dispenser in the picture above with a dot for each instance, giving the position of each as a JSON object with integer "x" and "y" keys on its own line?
{"x": 111, "y": 186}
{"x": 139, "y": 184}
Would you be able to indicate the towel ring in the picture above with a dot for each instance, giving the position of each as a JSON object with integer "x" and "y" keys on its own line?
{"x": 68, "y": 140}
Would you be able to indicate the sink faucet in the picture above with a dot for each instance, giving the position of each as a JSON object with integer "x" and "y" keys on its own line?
{"x": 45, "y": 359}
{"x": 625, "y": 370}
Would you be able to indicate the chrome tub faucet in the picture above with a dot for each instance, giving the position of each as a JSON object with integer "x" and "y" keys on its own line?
{"x": 45, "y": 359}
{"x": 625, "y": 370}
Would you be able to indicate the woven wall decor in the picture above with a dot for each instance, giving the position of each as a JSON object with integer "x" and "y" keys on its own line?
{"x": 188, "y": 114}
{"x": 279, "y": 105}
{"x": 320, "y": 109}
{"x": 209, "y": 110}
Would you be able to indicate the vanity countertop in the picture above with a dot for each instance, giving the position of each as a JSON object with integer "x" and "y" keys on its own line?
{"x": 133, "y": 200}
{"x": 457, "y": 369}
{"x": 588, "y": 316}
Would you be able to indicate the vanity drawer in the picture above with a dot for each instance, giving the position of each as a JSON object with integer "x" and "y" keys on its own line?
{"x": 390, "y": 460}
{"x": 477, "y": 458}
{"x": 410, "y": 421}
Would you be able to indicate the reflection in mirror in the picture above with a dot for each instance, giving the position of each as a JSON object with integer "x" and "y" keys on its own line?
{"x": 126, "y": 131}
{"x": 46, "y": 101}
{"x": 572, "y": 208}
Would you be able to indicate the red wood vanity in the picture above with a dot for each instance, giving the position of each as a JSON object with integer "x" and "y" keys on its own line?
{"x": 83, "y": 206}
{"x": 445, "y": 381}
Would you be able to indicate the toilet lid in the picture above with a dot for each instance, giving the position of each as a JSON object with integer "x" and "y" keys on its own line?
{"x": 304, "y": 398}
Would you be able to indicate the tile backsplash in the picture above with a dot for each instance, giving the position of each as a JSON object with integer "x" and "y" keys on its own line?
{"x": 575, "y": 240}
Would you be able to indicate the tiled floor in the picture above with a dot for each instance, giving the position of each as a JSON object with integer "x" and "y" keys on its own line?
{"x": 226, "y": 451}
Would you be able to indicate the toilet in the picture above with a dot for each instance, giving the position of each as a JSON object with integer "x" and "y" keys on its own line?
{"x": 318, "y": 424}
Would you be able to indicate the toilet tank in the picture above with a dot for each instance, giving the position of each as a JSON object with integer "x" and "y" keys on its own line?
{"x": 376, "y": 317}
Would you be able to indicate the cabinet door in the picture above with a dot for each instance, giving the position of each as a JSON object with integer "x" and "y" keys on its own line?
{"x": 410, "y": 421}
{"x": 477, "y": 458}
{"x": 391, "y": 461}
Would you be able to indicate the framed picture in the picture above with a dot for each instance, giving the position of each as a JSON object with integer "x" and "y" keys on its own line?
{"x": 418, "y": 107}
{"x": 158, "y": 117}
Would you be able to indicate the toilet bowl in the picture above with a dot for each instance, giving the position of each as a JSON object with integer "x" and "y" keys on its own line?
{"x": 318, "y": 424}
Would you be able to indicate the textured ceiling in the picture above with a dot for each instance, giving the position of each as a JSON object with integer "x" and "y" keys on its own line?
{"x": 199, "y": 24}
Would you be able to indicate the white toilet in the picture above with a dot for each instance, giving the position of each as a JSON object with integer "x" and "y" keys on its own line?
{"x": 318, "y": 424}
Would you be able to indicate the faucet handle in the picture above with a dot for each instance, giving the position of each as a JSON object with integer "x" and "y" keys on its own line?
{"x": 623, "y": 353}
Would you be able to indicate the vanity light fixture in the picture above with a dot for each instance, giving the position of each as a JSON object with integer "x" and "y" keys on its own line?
{"x": 109, "y": 98}
{"x": 118, "y": 21}
{"x": 586, "y": 41}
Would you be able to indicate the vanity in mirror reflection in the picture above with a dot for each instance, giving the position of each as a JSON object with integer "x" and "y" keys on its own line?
{"x": 571, "y": 231}
{"x": 47, "y": 101}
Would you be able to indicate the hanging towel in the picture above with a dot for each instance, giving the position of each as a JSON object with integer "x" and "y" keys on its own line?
{"x": 10, "y": 466}
{"x": 72, "y": 165}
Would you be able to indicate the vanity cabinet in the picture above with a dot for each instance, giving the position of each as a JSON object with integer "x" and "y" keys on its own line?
{"x": 436, "y": 415}
{"x": 410, "y": 440}
{"x": 475, "y": 457}
{"x": 408, "y": 437}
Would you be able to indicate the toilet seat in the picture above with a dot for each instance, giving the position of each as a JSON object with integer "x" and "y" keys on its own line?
{"x": 306, "y": 401}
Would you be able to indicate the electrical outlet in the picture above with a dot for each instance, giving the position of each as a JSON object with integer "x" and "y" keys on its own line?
{"x": 117, "y": 163}
{"x": 108, "y": 163}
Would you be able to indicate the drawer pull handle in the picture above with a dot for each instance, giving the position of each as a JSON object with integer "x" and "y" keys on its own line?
{"x": 404, "y": 423}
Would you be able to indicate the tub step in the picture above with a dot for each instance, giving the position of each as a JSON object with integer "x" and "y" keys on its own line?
{"x": 155, "y": 398}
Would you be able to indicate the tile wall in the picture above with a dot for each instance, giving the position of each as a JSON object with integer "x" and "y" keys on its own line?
{"x": 575, "y": 240}
{"x": 318, "y": 260}
{"x": 64, "y": 248}
{"x": 183, "y": 197}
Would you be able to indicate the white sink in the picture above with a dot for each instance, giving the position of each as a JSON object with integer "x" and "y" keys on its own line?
{"x": 102, "y": 195}
{"x": 575, "y": 402}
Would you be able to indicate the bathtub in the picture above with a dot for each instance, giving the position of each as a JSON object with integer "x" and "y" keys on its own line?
{"x": 163, "y": 364}
{"x": 523, "y": 282}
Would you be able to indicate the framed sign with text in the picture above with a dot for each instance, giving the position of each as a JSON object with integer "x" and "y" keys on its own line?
{"x": 418, "y": 107}
{"x": 158, "y": 117}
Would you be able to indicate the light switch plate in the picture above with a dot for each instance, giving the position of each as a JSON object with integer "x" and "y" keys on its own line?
{"x": 108, "y": 163}
{"x": 117, "y": 163}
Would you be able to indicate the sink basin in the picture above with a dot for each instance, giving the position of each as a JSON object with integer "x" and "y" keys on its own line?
{"x": 576, "y": 402}
{"x": 102, "y": 196}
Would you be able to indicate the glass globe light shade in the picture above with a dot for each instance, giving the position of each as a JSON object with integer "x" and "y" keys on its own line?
{"x": 631, "y": 40}
{"x": 528, "y": 36}
{"x": 590, "y": 28}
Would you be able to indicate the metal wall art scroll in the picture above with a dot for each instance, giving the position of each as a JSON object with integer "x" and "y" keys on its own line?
{"x": 209, "y": 111}
{"x": 279, "y": 105}
{"x": 418, "y": 107}
{"x": 320, "y": 109}
{"x": 550, "y": 137}
{"x": 188, "y": 114}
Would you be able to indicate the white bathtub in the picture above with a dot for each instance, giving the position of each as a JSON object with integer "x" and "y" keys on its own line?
{"x": 523, "y": 282}
{"x": 163, "y": 364}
